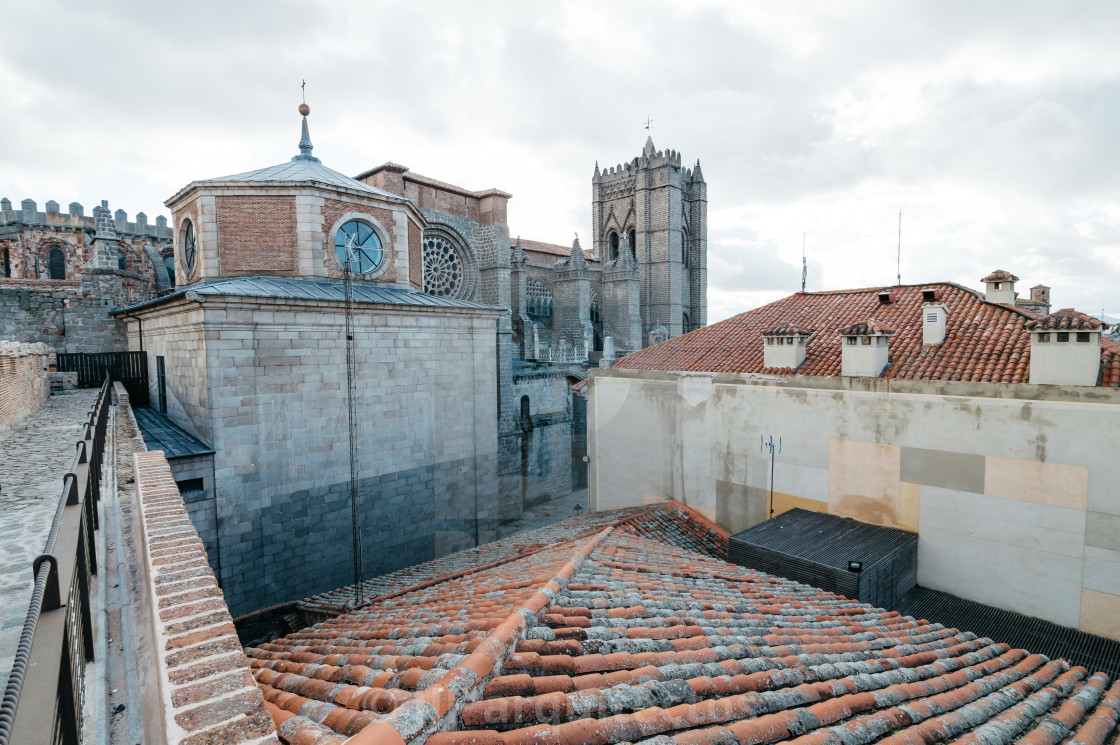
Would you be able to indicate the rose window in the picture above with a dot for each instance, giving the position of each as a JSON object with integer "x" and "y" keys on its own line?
{"x": 443, "y": 268}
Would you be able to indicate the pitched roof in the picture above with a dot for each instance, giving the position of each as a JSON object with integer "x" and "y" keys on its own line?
{"x": 305, "y": 170}
{"x": 1000, "y": 275}
{"x": 548, "y": 253}
{"x": 1067, "y": 319}
{"x": 870, "y": 327}
{"x": 787, "y": 329}
{"x": 984, "y": 342}
{"x": 618, "y": 637}
{"x": 290, "y": 288}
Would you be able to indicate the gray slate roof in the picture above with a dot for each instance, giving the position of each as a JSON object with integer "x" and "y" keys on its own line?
{"x": 308, "y": 289}
{"x": 160, "y": 433}
{"x": 308, "y": 169}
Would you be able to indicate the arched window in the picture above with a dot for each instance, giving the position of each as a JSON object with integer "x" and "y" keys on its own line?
{"x": 6, "y": 263}
{"x": 122, "y": 261}
{"x": 56, "y": 262}
{"x": 686, "y": 255}
{"x": 169, "y": 265}
{"x": 684, "y": 324}
{"x": 634, "y": 244}
{"x": 613, "y": 241}
{"x": 526, "y": 416}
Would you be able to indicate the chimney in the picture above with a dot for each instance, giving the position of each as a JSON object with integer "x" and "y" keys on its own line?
{"x": 1000, "y": 287}
{"x": 865, "y": 352}
{"x": 934, "y": 316}
{"x": 784, "y": 346}
{"x": 1040, "y": 297}
{"x": 1066, "y": 348}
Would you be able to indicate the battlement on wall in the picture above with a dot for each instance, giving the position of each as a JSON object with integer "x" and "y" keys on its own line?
{"x": 658, "y": 159}
{"x": 27, "y": 214}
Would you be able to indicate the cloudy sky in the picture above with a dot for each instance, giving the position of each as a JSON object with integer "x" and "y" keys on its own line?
{"x": 994, "y": 127}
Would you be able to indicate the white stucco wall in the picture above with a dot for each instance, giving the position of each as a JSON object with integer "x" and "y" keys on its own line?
{"x": 1015, "y": 499}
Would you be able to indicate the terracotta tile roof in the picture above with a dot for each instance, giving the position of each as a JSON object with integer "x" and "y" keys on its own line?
{"x": 672, "y": 523}
{"x": 549, "y": 253}
{"x": 621, "y": 638}
{"x": 866, "y": 328}
{"x": 1067, "y": 319}
{"x": 1000, "y": 275}
{"x": 1110, "y": 362}
{"x": 984, "y": 342}
{"x": 787, "y": 329}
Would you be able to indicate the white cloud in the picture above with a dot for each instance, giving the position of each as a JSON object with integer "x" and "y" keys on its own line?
{"x": 990, "y": 125}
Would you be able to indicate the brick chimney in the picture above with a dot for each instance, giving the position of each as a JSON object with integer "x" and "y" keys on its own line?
{"x": 1066, "y": 348}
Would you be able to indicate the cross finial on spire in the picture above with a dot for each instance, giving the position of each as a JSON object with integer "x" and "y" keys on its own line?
{"x": 648, "y": 122}
{"x": 305, "y": 146}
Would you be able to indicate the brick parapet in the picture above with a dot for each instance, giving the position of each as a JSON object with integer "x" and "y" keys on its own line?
{"x": 206, "y": 689}
{"x": 24, "y": 386}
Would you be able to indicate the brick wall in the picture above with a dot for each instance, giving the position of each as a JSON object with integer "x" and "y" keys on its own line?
{"x": 24, "y": 387}
{"x": 257, "y": 234}
{"x": 207, "y": 690}
{"x": 333, "y": 209}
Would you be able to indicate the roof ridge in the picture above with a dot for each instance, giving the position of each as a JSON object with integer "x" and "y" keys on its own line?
{"x": 474, "y": 570}
{"x": 425, "y": 708}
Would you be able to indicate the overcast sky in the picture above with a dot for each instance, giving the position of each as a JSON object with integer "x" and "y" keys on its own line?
{"x": 994, "y": 127}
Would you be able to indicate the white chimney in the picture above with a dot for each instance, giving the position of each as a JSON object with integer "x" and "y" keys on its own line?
{"x": 866, "y": 349}
{"x": 784, "y": 346}
{"x": 1066, "y": 348}
{"x": 1000, "y": 286}
{"x": 934, "y": 316}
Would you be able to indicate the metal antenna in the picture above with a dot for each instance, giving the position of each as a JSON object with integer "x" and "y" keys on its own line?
{"x": 804, "y": 266}
{"x": 768, "y": 446}
{"x": 352, "y": 418}
{"x": 898, "y": 265}
{"x": 648, "y": 122}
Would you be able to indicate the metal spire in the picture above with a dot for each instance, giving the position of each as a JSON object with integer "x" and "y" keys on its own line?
{"x": 305, "y": 146}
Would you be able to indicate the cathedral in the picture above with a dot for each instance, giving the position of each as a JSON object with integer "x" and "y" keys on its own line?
{"x": 466, "y": 342}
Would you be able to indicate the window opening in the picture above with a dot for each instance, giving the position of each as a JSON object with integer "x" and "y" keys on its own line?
{"x": 56, "y": 263}
{"x": 161, "y": 386}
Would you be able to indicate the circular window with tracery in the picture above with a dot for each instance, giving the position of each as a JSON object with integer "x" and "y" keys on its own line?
{"x": 443, "y": 268}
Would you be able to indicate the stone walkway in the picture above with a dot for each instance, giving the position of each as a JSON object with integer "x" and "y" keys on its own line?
{"x": 34, "y": 456}
{"x": 546, "y": 513}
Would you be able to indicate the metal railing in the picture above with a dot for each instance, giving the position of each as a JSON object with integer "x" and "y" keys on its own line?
{"x": 48, "y": 673}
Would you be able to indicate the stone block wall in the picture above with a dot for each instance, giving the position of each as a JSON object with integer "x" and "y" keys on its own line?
{"x": 264, "y": 383}
{"x": 24, "y": 386}
{"x": 206, "y": 688}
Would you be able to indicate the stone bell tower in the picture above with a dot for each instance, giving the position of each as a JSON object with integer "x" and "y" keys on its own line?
{"x": 660, "y": 208}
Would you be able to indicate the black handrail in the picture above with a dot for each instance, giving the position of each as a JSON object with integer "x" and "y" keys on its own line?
{"x": 57, "y": 637}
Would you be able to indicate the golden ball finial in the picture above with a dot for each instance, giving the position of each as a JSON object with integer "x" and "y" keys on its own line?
{"x": 304, "y": 109}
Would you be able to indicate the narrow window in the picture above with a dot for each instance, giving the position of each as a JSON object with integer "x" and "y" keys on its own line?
{"x": 122, "y": 261}
{"x": 6, "y": 263}
{"x": 161, "y": 386}
{"x": 526, "y": 417}
{"x": 56, "y": 262}
{"x": 614, "y": 246}
{"x": 634, "y": 244}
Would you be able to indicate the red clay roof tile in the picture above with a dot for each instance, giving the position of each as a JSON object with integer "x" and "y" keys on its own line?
{"x": 626, "y": 635}
{"x": 984, "y": 342}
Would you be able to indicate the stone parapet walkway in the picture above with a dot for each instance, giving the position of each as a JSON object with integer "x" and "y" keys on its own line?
{"x": 34, "y": 456}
